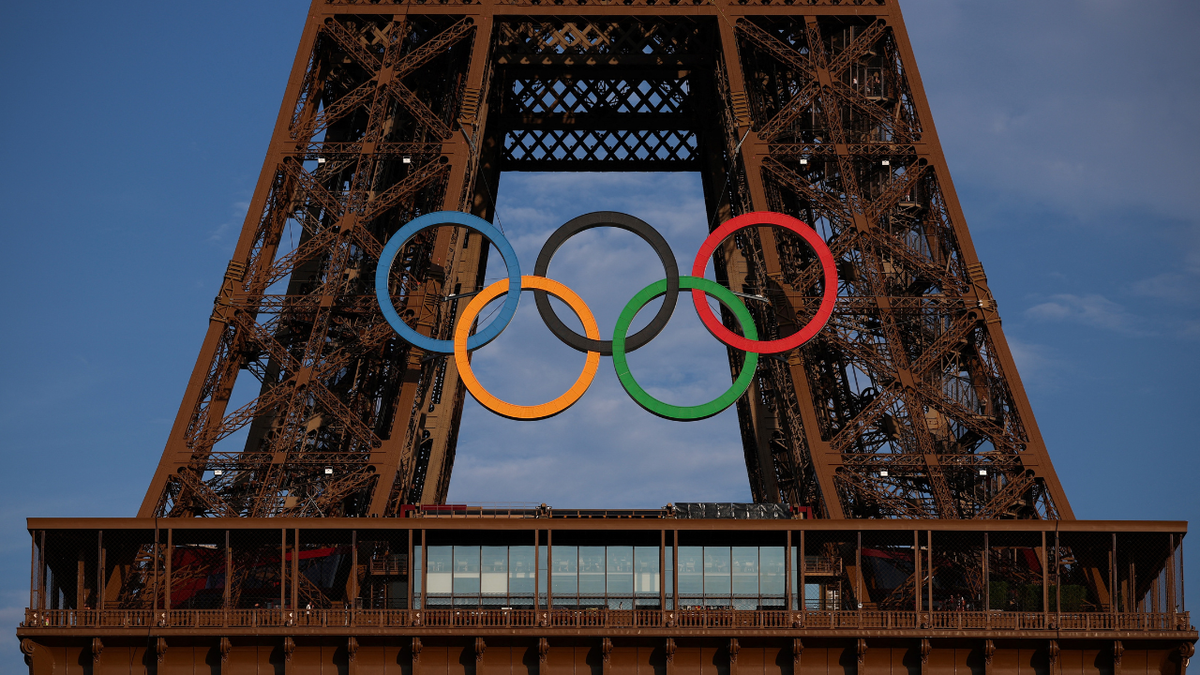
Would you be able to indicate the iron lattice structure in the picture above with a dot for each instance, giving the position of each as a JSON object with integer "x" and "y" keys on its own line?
{"x": 814, "y": 109}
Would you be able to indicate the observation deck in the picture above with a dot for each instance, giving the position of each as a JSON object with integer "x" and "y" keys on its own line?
{"x": 544, "y": 586}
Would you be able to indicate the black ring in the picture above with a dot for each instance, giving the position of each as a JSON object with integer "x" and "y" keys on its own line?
{"x": 625, "y": 222}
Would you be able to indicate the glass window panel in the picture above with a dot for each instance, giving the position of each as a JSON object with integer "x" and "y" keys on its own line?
{"x": 397, "y": 596}
{"x": 520, "y": 570}
{"x": 493, "y": 570}
{"x": 771, "y": 575}
{"x": 812, "y": 596}
{"x": 620, "y": 573}
{"x": 542, "y": 576}
{"x": 691, "y": 570}
{"x": 466, "y": 570}
{"x": 645, "y": 581}
{"x": 591, "y": 570}
{"x": 566, "y": 572}
{"x": 440, "y": 564}
{"x": 716, "y": 571}
{"x": 745, "y": 570}
{"x": 416, "y": 578}
{"x": 745, "y": 603}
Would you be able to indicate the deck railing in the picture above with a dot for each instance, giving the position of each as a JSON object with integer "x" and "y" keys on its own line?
{"x": 604, "y": 618}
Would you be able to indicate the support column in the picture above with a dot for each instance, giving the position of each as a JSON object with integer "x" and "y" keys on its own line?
{"x": 824, "y": 461}
{"x": 178, "y": 455}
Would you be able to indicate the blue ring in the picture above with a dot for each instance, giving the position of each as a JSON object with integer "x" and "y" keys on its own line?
{"x": 480, "y": 338}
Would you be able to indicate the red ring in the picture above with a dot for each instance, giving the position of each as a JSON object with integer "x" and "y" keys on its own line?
{"x": 714, "y": 325}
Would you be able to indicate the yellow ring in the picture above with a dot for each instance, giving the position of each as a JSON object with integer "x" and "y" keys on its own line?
{"x": 510, "y": 410}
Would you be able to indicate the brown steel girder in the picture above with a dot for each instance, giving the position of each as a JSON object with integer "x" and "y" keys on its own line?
{"x": 389, "y": 114}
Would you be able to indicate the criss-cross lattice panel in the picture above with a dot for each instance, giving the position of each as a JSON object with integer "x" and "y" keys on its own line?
{"x": 626, "y": 36}
{"x": 567, "y": 149}
{"x": 565, "y": 94}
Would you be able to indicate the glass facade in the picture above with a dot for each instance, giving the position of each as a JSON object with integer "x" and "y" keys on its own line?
{"x": 617, "y": 576}
{"x": 477, "y": 576}
{"x": 732, "y": 577}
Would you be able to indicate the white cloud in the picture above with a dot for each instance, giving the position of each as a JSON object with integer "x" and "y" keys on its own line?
{"x": 1170, "y": 286}
{"x": 236, "y": 218}
{"x": 1089, "y": 310}
{"x": 1037, "y": 364}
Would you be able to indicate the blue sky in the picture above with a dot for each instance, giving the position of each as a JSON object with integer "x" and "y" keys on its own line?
{"x": 137, "y": 132}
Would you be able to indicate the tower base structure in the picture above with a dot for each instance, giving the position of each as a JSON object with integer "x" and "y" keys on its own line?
{"x": 452, "y": 589}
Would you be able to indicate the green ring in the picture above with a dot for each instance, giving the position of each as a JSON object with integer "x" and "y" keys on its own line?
{"x": 676, "y": 412}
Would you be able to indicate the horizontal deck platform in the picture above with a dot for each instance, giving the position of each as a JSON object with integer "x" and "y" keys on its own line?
{"x": 710, "y": 596}
{"x": 681, "y": 623}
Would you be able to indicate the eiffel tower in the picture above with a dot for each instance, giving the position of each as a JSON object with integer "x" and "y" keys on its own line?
{"x": 908, "y": 405}
{"x": 907, "y": 517}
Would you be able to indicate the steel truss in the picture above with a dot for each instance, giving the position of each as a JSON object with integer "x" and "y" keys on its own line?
{"x": 908, "y": 405}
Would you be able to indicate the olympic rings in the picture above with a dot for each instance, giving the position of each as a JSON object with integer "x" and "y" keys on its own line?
{"x": 824, "y": 311}
{"x": 526, "y": 412}
{"x": 625, "y": 222}
{"x": 667, "y": 410}
{"x": 410, "y": 230}
{"x": 464, "y": 343}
